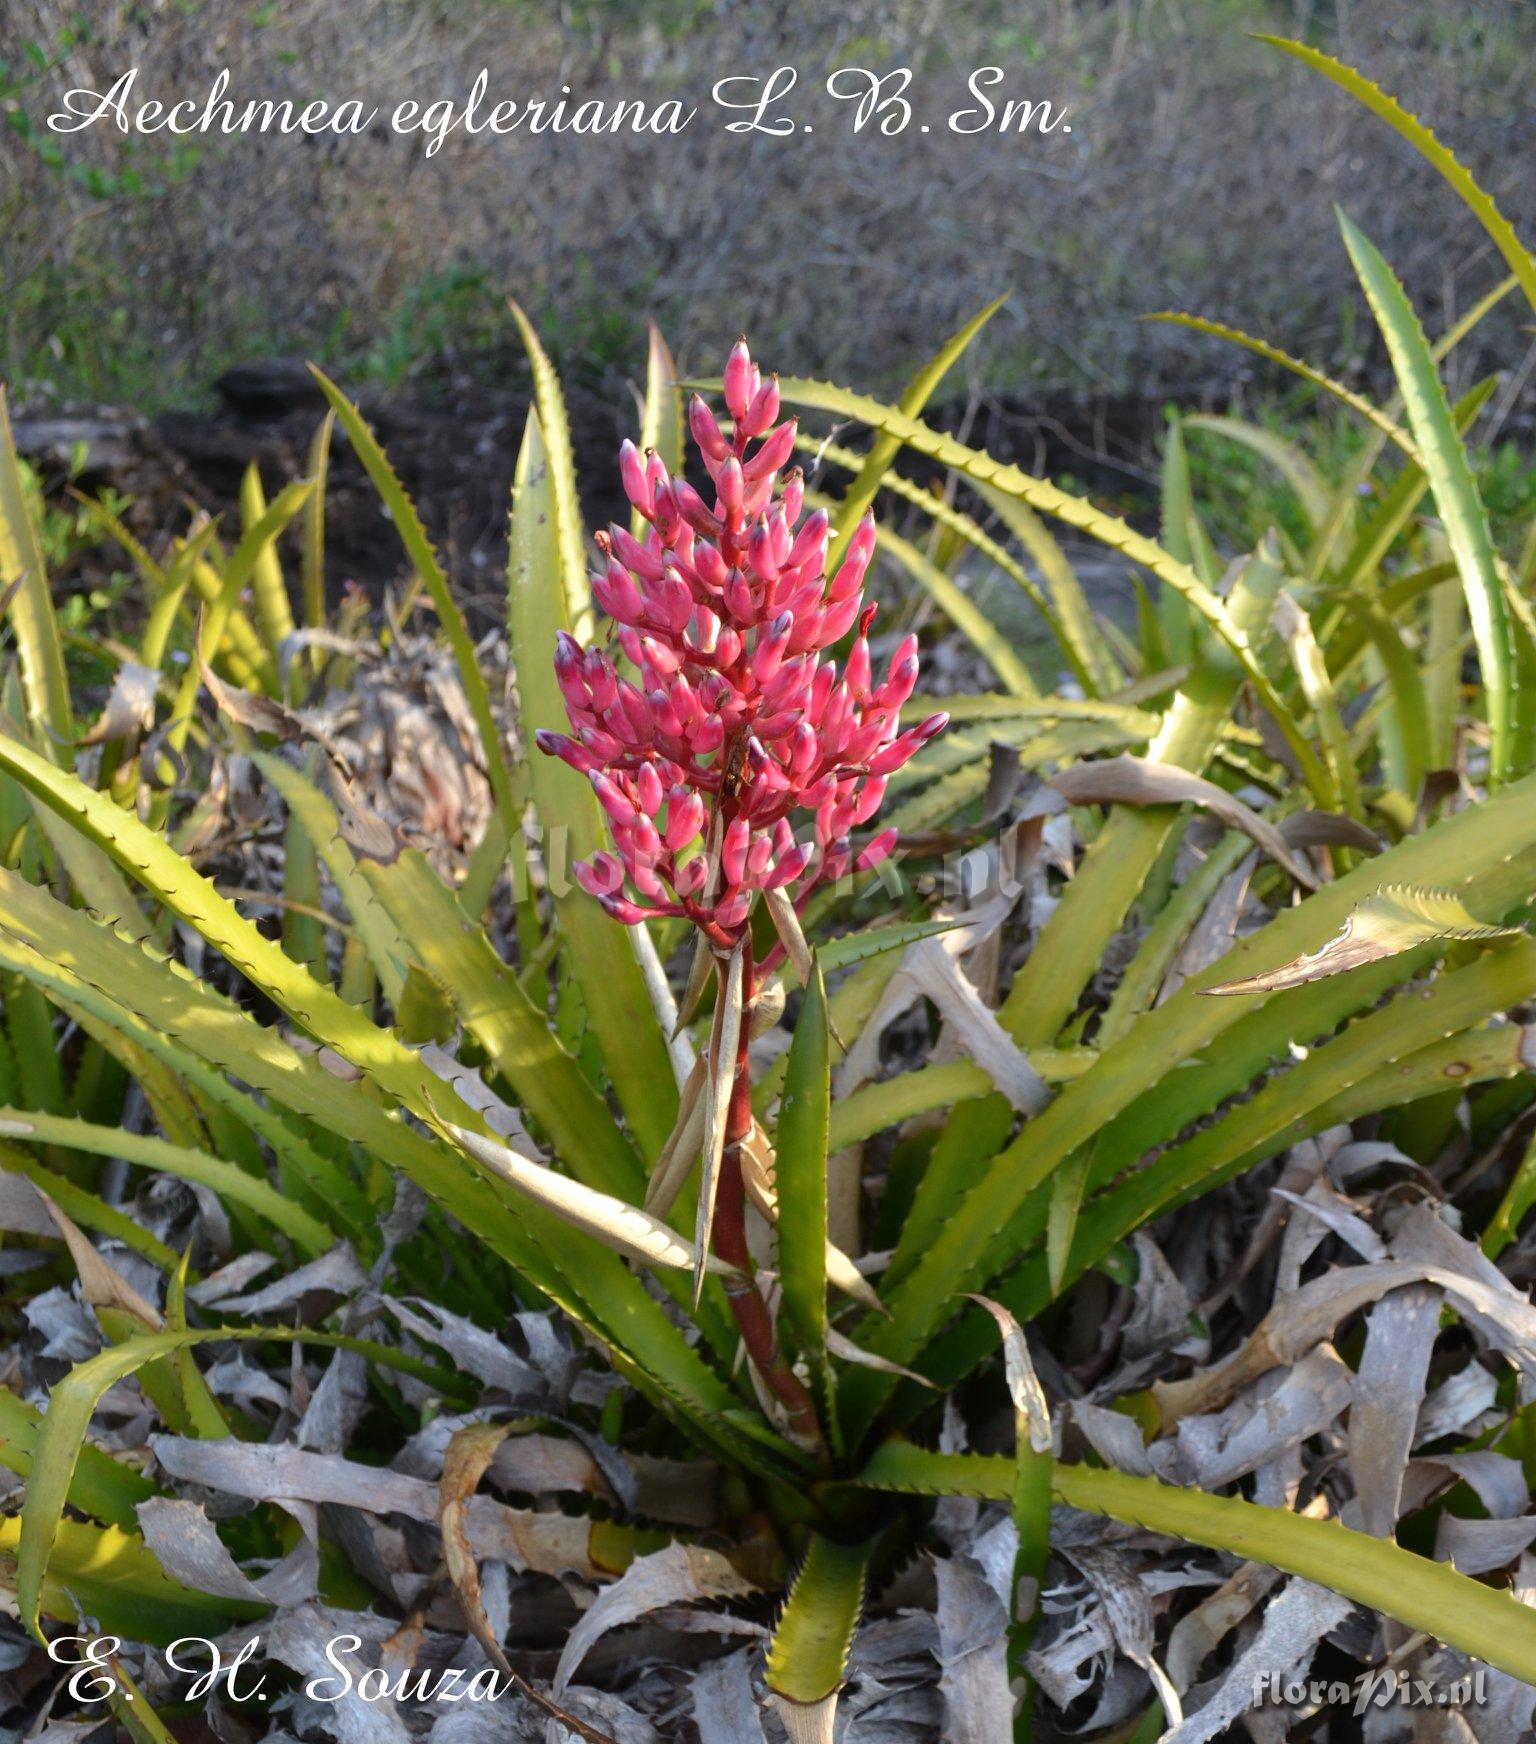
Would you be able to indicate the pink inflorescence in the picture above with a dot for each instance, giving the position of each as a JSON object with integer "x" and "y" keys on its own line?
{"x": 737, "y": 720}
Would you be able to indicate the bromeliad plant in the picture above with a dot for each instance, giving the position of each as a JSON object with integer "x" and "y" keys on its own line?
{"x": 738, "y": 725}
{"x": 1295, "y": 721}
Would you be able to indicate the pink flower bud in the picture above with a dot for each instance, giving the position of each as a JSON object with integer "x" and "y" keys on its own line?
{"x": 602, "y": 746}
{"x": 806, "y": 633}
{"x": 738, "y": 598}
{"x": 873, "y": 792}
{"x": 616, "y": 593}
{"x": 837, "y": 620}
{"x": 756, "y": 496}
{"x": 810, "y": 541}
{"x": 710, "y": 567}
{"x": 789, "y": 867}
{"x": 637, "y": 487}
{"x": 733, "y": 850}
{"x": 734, "y": 910}
{"x": 760, "y": 552}
{"x": 856, "y": 671}
{"x": 764, "y": 408}
{"x": 775, "y": 449}
{"x": 685, "y": 819}
{"x": 614, "y": 801}
{"x": 629, "y": 913}
{"x": 900, "y": 684}
{"x": 648, "y": 790}
{"x": 731, "y": 487}
{"x": 602, "y": 683}
{"x": 788, "y": 686}
{"x": 694, "y": 510}
{"x": 706, "y": 432}
{"x": 644, "y": 844}
{"x": 566, "y": 749}
{"x": 888, "y": 761}
{"x": 768, "y": 656}
{"x": 666, "y": 514}
{"x": 773, "y": 727}
{"x": 741, "y": 381}
{"x": 794, "y": 494}
{"x": 879, "y": 849}
{"x": 676, "y": 598}
{"x": 628, "y": 712}
{"x": 707, "y": 736}
{"x": 639, "y": 559}
{"x": 602, "y": 875}
{"x": 803, "y": 751}
{"x": 782, "y": 540}
{"x": 658, "y": 657}
{"x": 850, "y": 572}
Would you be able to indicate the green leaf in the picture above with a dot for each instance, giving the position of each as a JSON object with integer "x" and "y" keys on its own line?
{"x": 808, "y": 1654}
{"x": 61, "y": 1436}
{"x": 1094, "y": 904}
{"x": 87, "y": 1209}
{"x": 939, "y": 509}
{"x": 1453, "y": 1608}
{"x": 1405, "y": 740}
{"x": 963, "y": 612}
{"x": 1087, "y": 652}
{"x": 1284, "y": 1109}
{"x": 228, "y": 1180}
{"x": 661, "y": 421}
{"x": 273, "y": 611}
{"x": 1040, "y": 494}
{"x": 1345, "y": 396}
{"x": 316, "y": 816}
{"x": 884, "y": 449}
{"x": 418, "y": 547}
{"x": 493, "y": 1007}
{"x": 111, "y": 1575}
{"x": 73, "y": 958}
{"x": 1176, "y": 518}
{"x": 101, "y": 1486}
{"x": 1479, "y": 853}
{"x": 1455, "y": 491}
{"x": 801, "y": 1177}
{"x": 1395, "y": 919}
{"x": 44, "y": 680}
{"x": 1061, "y": 1223}
{"x": 313, "y": 574}
{"x": 1499, "y": 229}
{"x": 850, "y": 948}
{"x": 549, "y": 405}
{"x": 601, "y": 952}
{"x": 1308, "y": 484}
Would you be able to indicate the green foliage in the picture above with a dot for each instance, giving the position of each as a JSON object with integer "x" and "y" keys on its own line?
{"x": 519, "y": 1058}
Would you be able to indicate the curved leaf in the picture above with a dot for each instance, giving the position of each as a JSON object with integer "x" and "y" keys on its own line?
{"x": 418, "y": 547}
{"x": 808, "y": 1654}
{"x": 1499, "y": 229}
{"x": 1488, "y": 1624}
{"x": 1455, "y": 491}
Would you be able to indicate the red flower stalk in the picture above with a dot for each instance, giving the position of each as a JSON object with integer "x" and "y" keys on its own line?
{"x": 735, "y": 717}
{"x": 734, "y": 723}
